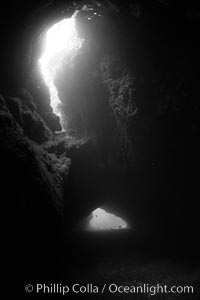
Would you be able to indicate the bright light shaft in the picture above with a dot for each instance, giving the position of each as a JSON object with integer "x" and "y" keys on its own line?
{"x": 61, "y": 45}
{"x": 101, "y": 220}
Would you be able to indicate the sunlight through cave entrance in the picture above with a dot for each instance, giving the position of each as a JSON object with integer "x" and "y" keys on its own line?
{"x": 62, "y": 43}
{"x": 101, "y": 220}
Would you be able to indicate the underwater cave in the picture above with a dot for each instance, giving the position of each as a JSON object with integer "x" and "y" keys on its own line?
{"x": 99, "y": 131}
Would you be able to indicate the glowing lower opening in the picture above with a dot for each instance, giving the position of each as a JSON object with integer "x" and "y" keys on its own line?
{"x": 102, "y": 220}
{"x": 61, "y": 45}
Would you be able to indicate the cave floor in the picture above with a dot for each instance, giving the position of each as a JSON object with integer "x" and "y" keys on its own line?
{"x": 124, "y": 266}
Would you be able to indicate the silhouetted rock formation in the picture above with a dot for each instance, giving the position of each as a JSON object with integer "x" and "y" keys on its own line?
{"x": 137, "y": 96}
{"x": 32, "y": 187}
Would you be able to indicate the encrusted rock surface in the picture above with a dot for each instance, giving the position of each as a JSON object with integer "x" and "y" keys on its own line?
{"x": 22, "y": 134}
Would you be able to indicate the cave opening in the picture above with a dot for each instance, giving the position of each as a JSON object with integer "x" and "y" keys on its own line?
{"x": 62, "y": 43}
{"x": 102, "y": 220}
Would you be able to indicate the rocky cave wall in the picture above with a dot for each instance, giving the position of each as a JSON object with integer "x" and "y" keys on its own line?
{"x": 134, "y": 89}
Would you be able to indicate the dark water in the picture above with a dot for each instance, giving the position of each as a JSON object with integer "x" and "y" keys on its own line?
{"x": 123, "y": 258}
